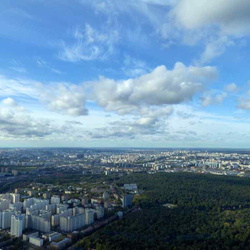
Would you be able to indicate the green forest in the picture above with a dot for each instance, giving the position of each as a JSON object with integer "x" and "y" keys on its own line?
{"x": 210, "y": 212}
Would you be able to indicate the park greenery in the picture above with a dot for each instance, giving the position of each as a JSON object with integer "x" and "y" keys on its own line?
{"x": 209, "y": 212}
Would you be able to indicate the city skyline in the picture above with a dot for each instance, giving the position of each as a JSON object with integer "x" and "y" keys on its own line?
{"x": 80, "y": 73}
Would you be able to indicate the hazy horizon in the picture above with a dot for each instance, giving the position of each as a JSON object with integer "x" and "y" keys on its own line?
{"x": 143, "y": 148}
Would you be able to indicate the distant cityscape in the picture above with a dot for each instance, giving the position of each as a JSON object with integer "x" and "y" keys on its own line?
{"x": 42, "y": 162}
{"x": 54, "y": 214}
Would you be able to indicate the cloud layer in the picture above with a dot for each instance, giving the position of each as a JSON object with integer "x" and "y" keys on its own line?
{"x": 160, "y": 87}
{"x": 16, "y": 123}
{"x": 145, "y": 70}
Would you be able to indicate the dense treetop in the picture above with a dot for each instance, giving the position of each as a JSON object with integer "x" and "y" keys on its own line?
{"x": 212, "y": 212}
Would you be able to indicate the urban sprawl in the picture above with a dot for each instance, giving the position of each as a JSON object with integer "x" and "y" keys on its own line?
{"x": 53, "y": 214}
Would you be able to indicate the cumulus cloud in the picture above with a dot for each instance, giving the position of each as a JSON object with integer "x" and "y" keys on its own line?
{"x": 66, "y": 99}
{"x": 130, "y": 129}
{"x": 9, "y": 102}
{"x": 16, "y": 123}
{"x": 156, "y": 112}
{"x": 186, "y": 123}
{"x": 210, "y": 100}
{"x": 160, "y": 87}
{"x": 231, "y": 17}
{"x": 216, "y": 24}
{"x": 149, "y": 122}
{"x": 62, "y": 98}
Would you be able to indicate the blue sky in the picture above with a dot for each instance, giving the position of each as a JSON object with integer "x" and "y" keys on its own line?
{"x": 145, "y": 73}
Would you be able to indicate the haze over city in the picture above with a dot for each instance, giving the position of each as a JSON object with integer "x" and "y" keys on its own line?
{"x": 146, "y": 73}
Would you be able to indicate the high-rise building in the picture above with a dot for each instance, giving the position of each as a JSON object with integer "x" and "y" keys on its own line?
{"x": 15, "y": 198}
{"x": 16, "y": 206}
{"x": 17, "y": 225}
{"x": 89, "y": 216}
{"x": 55, "y": 199}
{"x": 127, "y": 200}
{"x": 85, "y": 200}
{"x": 60, "y": 208}
{"x": 4, "y": 204}
{"x": 71, "y": 223}
{"x": 37, "y": 206}
{"x": 33, "y": 201}
{"x": 38, "y": 222}
{"x": 99, "y": 212}
{"x": 5, "y": 196}
{"x": 6, "y": 219}
{"x": 105, "y": 196}
{"x": 51, "y": 208}
{"x": 78, "y": 210}
{"x": 14, "y": 172}
{"x": 55, "y": 220}
{"x": 107, "y": 172}
{"x": 68, "y": 212}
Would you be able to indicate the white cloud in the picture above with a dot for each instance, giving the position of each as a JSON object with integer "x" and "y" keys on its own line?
{"x": 9, "y": 102}
{"x": 198, "y": 121}
{"x": 18, "y": 87}
{"x": 133, "y": 67}
{"x": 158, "y": 2}
{"x": 16, "y": 123}
{"x": 210, "y": 100}
{"x": 231, "y": 17}
{"x": 116, "y": 7}
{"x": 90, "y": 44}
{"x": 215, "y": 48}
{"x": 19, "y": 69}
{"x": 41, "y": 62}
{"x": 244, "y": 103}
{"x": 216, "y": 24}
{"x": 45, "y": 65}
{"x": 65, "y": 99}
{"x": 57, "y": 71}
{"x": 149, "y": 14}
{"x": 232, "y": 87}
{"x": 160, "y": 87}
{"x": 151, "y": 123}
{"x": 185, "y": 126}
